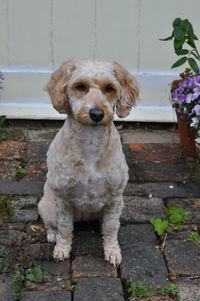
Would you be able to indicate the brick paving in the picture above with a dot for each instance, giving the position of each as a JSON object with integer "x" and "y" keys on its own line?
{"x": 160, "y": 175}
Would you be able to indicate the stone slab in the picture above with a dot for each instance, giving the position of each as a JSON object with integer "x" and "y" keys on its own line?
{"x": 36, "y": 151}
{"x": 141, "y": 210}
{"x": 12, "y": 150}
{"x": 49, "y": 295}
{"x": 160, "y": 190}
{"x": 182, "y": 255}
{"x": 56, "y": 275}
{"x": 159, "y": 172}
{"x": 36, "y": 172}
{"x": 154, "y": 152}
{"x": 22, "y": 209}
{"x": 190, "y": 205}
{"x": 40, "y": 135}
{"x": 189, "y": 291}
{"x": 141, "y": 261}
{"x": 149, "y": 136}
{"x": 87, "y": 243}
{"x": 21, "y": 187}
{"x": 163, "y": 189}
{"x": 6, "y": 288}
{"x": 92, "y": 266}
{"x": 98, "y": 289}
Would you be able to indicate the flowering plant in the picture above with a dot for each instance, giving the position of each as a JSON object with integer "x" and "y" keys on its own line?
{"x": 185, "y": 92}
{"x": 185, "y": 95}
{"x": 1, "y": 79}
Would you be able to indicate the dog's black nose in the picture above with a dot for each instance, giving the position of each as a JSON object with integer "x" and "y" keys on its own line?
{"x": 96, "y": 114}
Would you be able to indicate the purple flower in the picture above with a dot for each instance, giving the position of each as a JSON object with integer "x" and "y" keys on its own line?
{"x": 196, "y": 110}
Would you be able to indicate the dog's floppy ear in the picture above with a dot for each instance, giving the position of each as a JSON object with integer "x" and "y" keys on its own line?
{"x": 129, "y": 92}
{"x": 56, "y": 87}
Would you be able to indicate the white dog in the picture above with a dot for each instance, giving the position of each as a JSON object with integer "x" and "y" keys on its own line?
{"x": 87, "y": 171}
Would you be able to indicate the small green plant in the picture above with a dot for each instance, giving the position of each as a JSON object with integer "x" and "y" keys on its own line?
{"x": 194, "y": 237}
{"x": 19, "y": 170}
{"x": 182, "y": 35}
{"x": 5, "y": 261}
{"x": 19, "y": 278}
{"x": 143, "y": 290}
{"x": 4, "y": 131}
{"x": 170, "y": 289}
{"x": 22, "y": 272}
{"x": 175, "y": 217}
{"x": 34, "y": 272}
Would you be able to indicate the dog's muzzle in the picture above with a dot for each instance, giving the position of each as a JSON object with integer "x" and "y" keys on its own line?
{"x": 96, "y": 114}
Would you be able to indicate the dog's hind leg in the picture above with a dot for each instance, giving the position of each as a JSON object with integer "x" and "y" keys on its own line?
{"x": 48, "y": 211}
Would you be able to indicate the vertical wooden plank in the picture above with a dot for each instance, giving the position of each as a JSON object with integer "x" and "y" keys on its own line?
{"x": 117, "y": 35}
{"x": 3, "y": 33}
{"x": 73, "y": 29}
{"x": 29, "y": 40}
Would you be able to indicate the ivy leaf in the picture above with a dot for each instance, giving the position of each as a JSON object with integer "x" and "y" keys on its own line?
{"x": 160, "y": 226}
{"x": 180, "y": 62}
{"x": 193, "y": 65}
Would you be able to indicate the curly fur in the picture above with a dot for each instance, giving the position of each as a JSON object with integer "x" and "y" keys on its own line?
{"x": 87, "y": 171}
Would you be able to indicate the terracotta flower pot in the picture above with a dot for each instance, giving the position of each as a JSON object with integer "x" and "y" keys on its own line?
{"x": 187, "y": 136}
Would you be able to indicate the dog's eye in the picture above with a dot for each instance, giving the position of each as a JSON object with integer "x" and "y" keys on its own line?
{"x": 81, "y": 87}
{"x": 108, "y": 89}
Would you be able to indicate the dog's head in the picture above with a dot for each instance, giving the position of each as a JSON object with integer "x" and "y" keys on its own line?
{"x": 91, "y": 90}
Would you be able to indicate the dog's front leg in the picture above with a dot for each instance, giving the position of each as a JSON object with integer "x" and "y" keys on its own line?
{"x": 64, "y": 233}
{"x": 110, "y": 227}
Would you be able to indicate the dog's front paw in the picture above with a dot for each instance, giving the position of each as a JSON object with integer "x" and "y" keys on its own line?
{"x": 61, "y": 252}
{"x": 51, "y": 236}
{"x": 113, "y": 255}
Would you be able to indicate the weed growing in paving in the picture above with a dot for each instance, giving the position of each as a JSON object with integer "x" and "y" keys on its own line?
{"x": 194, "y": 237}
{"x": 175, "y": 218}
{"x": 143, "y": 290}
{"x": 26, "y": 269}
{"x": 22, "y": 272}
{"x": 5, "y": 261}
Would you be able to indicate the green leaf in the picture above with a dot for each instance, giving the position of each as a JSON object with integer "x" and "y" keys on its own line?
{"x": 193, "y": 65}
{"x": 167, "y": 39}
{"x": 2, "y": 119}
{"x": 190, "y": 31}
{"x": 185, "y": 25}
{"x": 178, "y": 29}
{"x": 21, "y": 170}
{"x": 176, "y": 218}
{"x": 178, "y": 44}
{"x": 191, "y": 43}
{"x": 194, "y": 237}
{"x": 195, "y": 55}
{"x": 30, "y": 276}
{"x": 38, "y": 273}
{"x": 180, "y": 62}
{"x": 181, "y": 51}
{"x": 176, "y": 22}
{"x": 160, "y": 226}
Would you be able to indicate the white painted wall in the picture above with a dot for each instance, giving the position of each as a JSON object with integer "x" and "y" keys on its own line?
{"x": 38, "y": 35}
